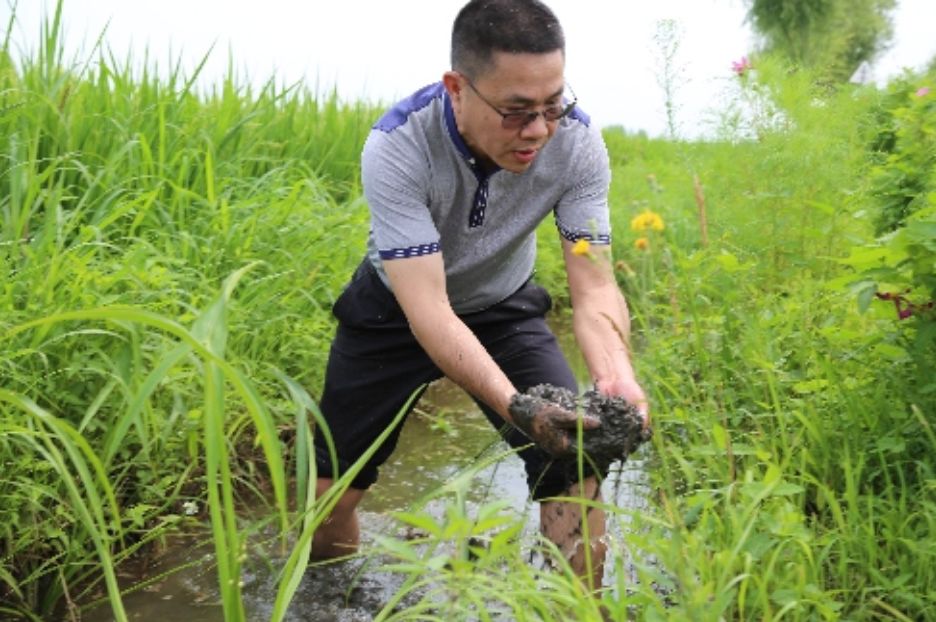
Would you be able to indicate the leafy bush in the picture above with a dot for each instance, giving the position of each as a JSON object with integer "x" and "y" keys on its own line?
{"x": 899, "y": 265}
{"x": 905, "y": 150}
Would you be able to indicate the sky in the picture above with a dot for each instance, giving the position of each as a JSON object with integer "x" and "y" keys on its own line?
{"x": 380, "y": 51}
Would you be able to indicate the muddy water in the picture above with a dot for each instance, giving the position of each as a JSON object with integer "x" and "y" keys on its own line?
{"x": 446, "y": 435}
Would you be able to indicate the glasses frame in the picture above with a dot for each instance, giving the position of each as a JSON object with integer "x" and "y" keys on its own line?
{"x": 519, "y": 119}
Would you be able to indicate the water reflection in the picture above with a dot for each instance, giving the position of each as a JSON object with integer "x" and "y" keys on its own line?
{"x": 443, "y": 438}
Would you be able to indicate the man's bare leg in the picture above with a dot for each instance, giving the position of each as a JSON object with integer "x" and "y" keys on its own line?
{"x": 339, "y": 534}
{"x": 561, "y": 522}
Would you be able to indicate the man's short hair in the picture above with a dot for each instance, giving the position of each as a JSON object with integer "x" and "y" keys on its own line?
{"x": 484, "y": 27}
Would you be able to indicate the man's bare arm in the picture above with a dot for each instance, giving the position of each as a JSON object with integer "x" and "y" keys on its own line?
{"x": 419, "y": 286}
{"x": 601, "y": 323}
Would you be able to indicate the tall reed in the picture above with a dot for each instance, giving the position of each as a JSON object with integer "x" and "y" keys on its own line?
{"x": 129, "y": 200}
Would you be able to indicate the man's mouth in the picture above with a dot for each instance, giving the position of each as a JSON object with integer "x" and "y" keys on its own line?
{"x": 525, "y": 155}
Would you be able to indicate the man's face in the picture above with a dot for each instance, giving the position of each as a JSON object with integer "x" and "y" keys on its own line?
{"x": 516, "y": 82}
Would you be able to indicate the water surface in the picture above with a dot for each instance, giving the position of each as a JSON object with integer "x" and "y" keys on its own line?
{"x": 443, "y": 438}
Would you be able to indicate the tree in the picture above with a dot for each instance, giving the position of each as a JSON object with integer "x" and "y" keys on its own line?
{"x": 835, "y": 36}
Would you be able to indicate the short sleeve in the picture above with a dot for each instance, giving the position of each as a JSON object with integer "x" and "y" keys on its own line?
{"x": 582, "y": 212}
{"x": 395, "y": 178}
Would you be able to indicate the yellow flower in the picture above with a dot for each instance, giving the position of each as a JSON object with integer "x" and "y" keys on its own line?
{"x": 641, "y": 244}
{"x": 581, "y": 247}
{"x": 647, "y": 220}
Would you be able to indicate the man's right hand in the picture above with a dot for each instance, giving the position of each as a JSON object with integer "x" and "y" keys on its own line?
{"x": 548, "y": 425}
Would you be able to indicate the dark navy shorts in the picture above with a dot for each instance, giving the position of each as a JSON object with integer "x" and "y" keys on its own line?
{"x": 375, "y": 365}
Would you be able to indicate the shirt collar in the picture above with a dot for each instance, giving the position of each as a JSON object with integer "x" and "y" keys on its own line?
{"x": 459, "y": 142}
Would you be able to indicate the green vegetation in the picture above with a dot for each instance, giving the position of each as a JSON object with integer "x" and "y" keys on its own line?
{"x": 169, "y": 258}
{"x": 832, "y": 37}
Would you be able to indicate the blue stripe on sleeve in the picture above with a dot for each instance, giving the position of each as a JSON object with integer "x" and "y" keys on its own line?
{"x": 411, "y": 251}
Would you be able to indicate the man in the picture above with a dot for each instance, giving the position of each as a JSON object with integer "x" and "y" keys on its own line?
{"x": 457, "y": 178}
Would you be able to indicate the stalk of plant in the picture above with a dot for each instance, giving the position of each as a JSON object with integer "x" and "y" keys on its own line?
{"x": 49, "y": 441}
{"x": 791, "y": 475}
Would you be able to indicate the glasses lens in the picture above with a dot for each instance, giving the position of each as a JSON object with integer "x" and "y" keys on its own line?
{"x": 521, "y": 119}
{"x": 516, "y": 120}
{"x": 555, "y": 113}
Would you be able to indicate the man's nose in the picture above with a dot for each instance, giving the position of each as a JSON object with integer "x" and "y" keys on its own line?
{"x": 536, "y": 128}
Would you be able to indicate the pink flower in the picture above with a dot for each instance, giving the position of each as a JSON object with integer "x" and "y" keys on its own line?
{"x": 923, "y": 91}
{"x": 741, "y": 67}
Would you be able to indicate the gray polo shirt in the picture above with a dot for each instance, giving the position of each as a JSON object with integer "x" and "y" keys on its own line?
{"x": 426, "y": 195}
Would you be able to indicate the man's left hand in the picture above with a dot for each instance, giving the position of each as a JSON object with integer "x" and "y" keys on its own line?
{"x": 630, "y": 391}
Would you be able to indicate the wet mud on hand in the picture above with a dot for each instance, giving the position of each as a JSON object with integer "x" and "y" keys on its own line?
{"x": 621, "y": 431}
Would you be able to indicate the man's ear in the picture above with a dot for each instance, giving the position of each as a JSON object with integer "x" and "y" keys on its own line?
{"x": 452, "y": 80}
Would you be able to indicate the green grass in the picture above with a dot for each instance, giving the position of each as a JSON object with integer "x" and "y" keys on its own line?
{"x": 169, "y": 259}
{"x": 128, "y": 201}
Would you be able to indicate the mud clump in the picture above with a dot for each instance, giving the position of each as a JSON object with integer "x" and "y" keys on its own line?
{"x": 621, "y": 431}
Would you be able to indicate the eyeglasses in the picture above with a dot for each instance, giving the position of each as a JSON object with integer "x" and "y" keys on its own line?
{"x": 519, "y": 119}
